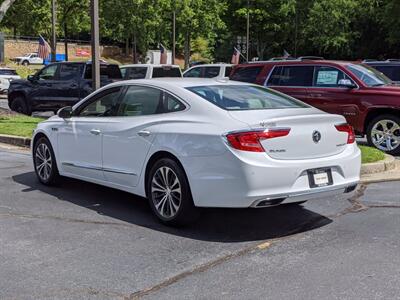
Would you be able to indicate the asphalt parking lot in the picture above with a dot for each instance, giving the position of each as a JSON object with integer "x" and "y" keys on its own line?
{"x": 83, "y": 241}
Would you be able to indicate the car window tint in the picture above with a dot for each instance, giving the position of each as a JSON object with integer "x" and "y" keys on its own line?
{"x": 70, "y": 71}
{"x": 136, "y": 73}
{"x": 8, "y": 72}
{"x": 296, "y": 76}
{"x": 246, "y": 74}
{"x": 173, "y": 104}
{"x": 275, "y": 77}
{"x": 104, "y": 106}
{"x": 166, "y": 72}
{"x": 328, "y": 77}
{"x": 140, "y": 101}
{"x": 48, "y": 73}
{"x": 228, "y": 71}
{"x": 210, "y": 72}
{"x": 393, "y": 72}
{"x": 106, "y": 71}
{"x": 195, "y": 72}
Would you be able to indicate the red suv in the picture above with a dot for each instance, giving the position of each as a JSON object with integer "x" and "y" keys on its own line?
{"x": 367, "y": 98}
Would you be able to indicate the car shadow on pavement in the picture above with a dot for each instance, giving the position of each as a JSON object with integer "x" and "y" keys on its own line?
{"x": 217, "y": 225}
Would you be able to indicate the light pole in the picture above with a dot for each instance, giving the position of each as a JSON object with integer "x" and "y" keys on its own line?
{"x": 247, "y": 30}
{"x": 173, "y": 34}
{"x": 94, "y": 11}
{"x": 53, "y": 30}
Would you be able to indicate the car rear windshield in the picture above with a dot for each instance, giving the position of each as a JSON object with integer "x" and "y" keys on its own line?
{"x": 166, "y": 72}
{"x": 246, "y": 74}
{"x": 245, "y": 97}
{"x": 8, "y": 72}
{"x": 393, "y": 72}
{"x": 108, "y": 71}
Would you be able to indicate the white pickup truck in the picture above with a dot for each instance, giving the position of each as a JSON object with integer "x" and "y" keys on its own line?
{"x": 29, "y": 59}
{"x": 6, "y": 76}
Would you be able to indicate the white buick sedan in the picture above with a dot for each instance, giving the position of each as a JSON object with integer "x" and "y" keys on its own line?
{"x": 188, "y": 143}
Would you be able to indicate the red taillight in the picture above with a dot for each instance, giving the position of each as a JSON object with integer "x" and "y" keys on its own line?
{"x": 350, "y": 131}
{"x": 250, "y": 140}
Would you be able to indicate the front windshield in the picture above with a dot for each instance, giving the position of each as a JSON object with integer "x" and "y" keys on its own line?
{"x": 245, "y": 97}
{"x": 369, "y": 76}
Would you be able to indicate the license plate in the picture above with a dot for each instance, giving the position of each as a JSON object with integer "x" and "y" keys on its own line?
{"x": 320, "y": 177}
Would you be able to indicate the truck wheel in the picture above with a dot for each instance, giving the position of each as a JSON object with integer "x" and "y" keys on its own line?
{"x": 19, "y": 105}
{"x": 383, "y": 132}
{"x": 25, "y": 63}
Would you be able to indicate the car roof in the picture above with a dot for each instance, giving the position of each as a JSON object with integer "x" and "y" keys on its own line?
{"x": 181, "y": 82}
{"x": 212, "y": 65}
{"x": 149, "y": 65}
{"x": 298, "y": 62}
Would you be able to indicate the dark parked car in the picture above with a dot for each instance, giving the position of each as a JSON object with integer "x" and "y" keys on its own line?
{"x": 368, "y": 99}
{"x": 390, "y": 67}
{"x": 57, "y": 85}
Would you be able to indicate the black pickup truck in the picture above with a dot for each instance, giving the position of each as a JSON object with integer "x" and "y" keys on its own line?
{"x": 57, "y": 85}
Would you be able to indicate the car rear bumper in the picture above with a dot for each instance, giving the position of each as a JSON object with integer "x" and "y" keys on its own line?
{"x": 306, "y": 195}
{"x": 245, "y": 179}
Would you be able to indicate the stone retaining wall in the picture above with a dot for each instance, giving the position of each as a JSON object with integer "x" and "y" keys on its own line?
{"x": 14, "y": 48}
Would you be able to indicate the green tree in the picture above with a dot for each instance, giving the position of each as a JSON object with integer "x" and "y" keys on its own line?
{"x": 198, "y": 18}
{"x": 5, "y": 5}
{"x": 73, "y": 17}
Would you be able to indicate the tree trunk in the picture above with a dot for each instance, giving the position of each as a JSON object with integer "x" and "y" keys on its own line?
{"x": 135, "y": 60}
{"x": 187, "y": 48}
{"x": 66, "y": 40}
{"x": 127, "y": 46}
{"x": 5, "y": 5}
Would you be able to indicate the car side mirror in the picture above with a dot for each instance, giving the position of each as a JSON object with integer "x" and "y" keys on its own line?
{"x": 31, "y": 78}
{"x": 65, "y": 112}
{"x": 347, "y": 83}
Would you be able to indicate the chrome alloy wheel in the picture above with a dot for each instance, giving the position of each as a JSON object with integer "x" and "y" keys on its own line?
{"x": 166, "y": 192}
{"x": 43, "y": 161}
{"x": 385, "y": 135}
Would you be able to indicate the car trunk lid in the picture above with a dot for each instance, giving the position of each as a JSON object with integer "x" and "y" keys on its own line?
{"x": 312, "y": 133}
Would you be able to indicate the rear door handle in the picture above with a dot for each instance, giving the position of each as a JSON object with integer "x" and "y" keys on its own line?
{"x": 144, "y": 133}
{"x": 316, "y": 95}
{"x": 95, "y": 131}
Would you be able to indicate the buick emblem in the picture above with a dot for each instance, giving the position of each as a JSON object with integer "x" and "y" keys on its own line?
{"x": 316, "y": 136}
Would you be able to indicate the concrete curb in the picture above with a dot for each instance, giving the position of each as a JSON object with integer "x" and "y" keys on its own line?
{"x": 389, "y": 163}
{"x": 15, "y": 140}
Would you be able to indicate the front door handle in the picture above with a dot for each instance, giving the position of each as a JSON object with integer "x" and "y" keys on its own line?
{"x": 144, "y": 133}
{"x": 95, "y": 131}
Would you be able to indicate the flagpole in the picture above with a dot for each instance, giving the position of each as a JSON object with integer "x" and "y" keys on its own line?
{"x": 53, "y": 31}
{"x": 173, "y": 32}
{"x": 240, "y": 53}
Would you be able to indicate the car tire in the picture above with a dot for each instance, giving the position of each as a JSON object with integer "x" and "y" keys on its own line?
{"x": 169, "y": 193}
{"x": 389, "y": 140}
{"x": 19, "y": 105}
{"x": 25, "y": 63}
{"x": 44, "y": 162}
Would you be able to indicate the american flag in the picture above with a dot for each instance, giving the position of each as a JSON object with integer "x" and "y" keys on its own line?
{"x": 164, "y": 55}
{"x": 44, "y": 48}
{"x": 235, "y": 57}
